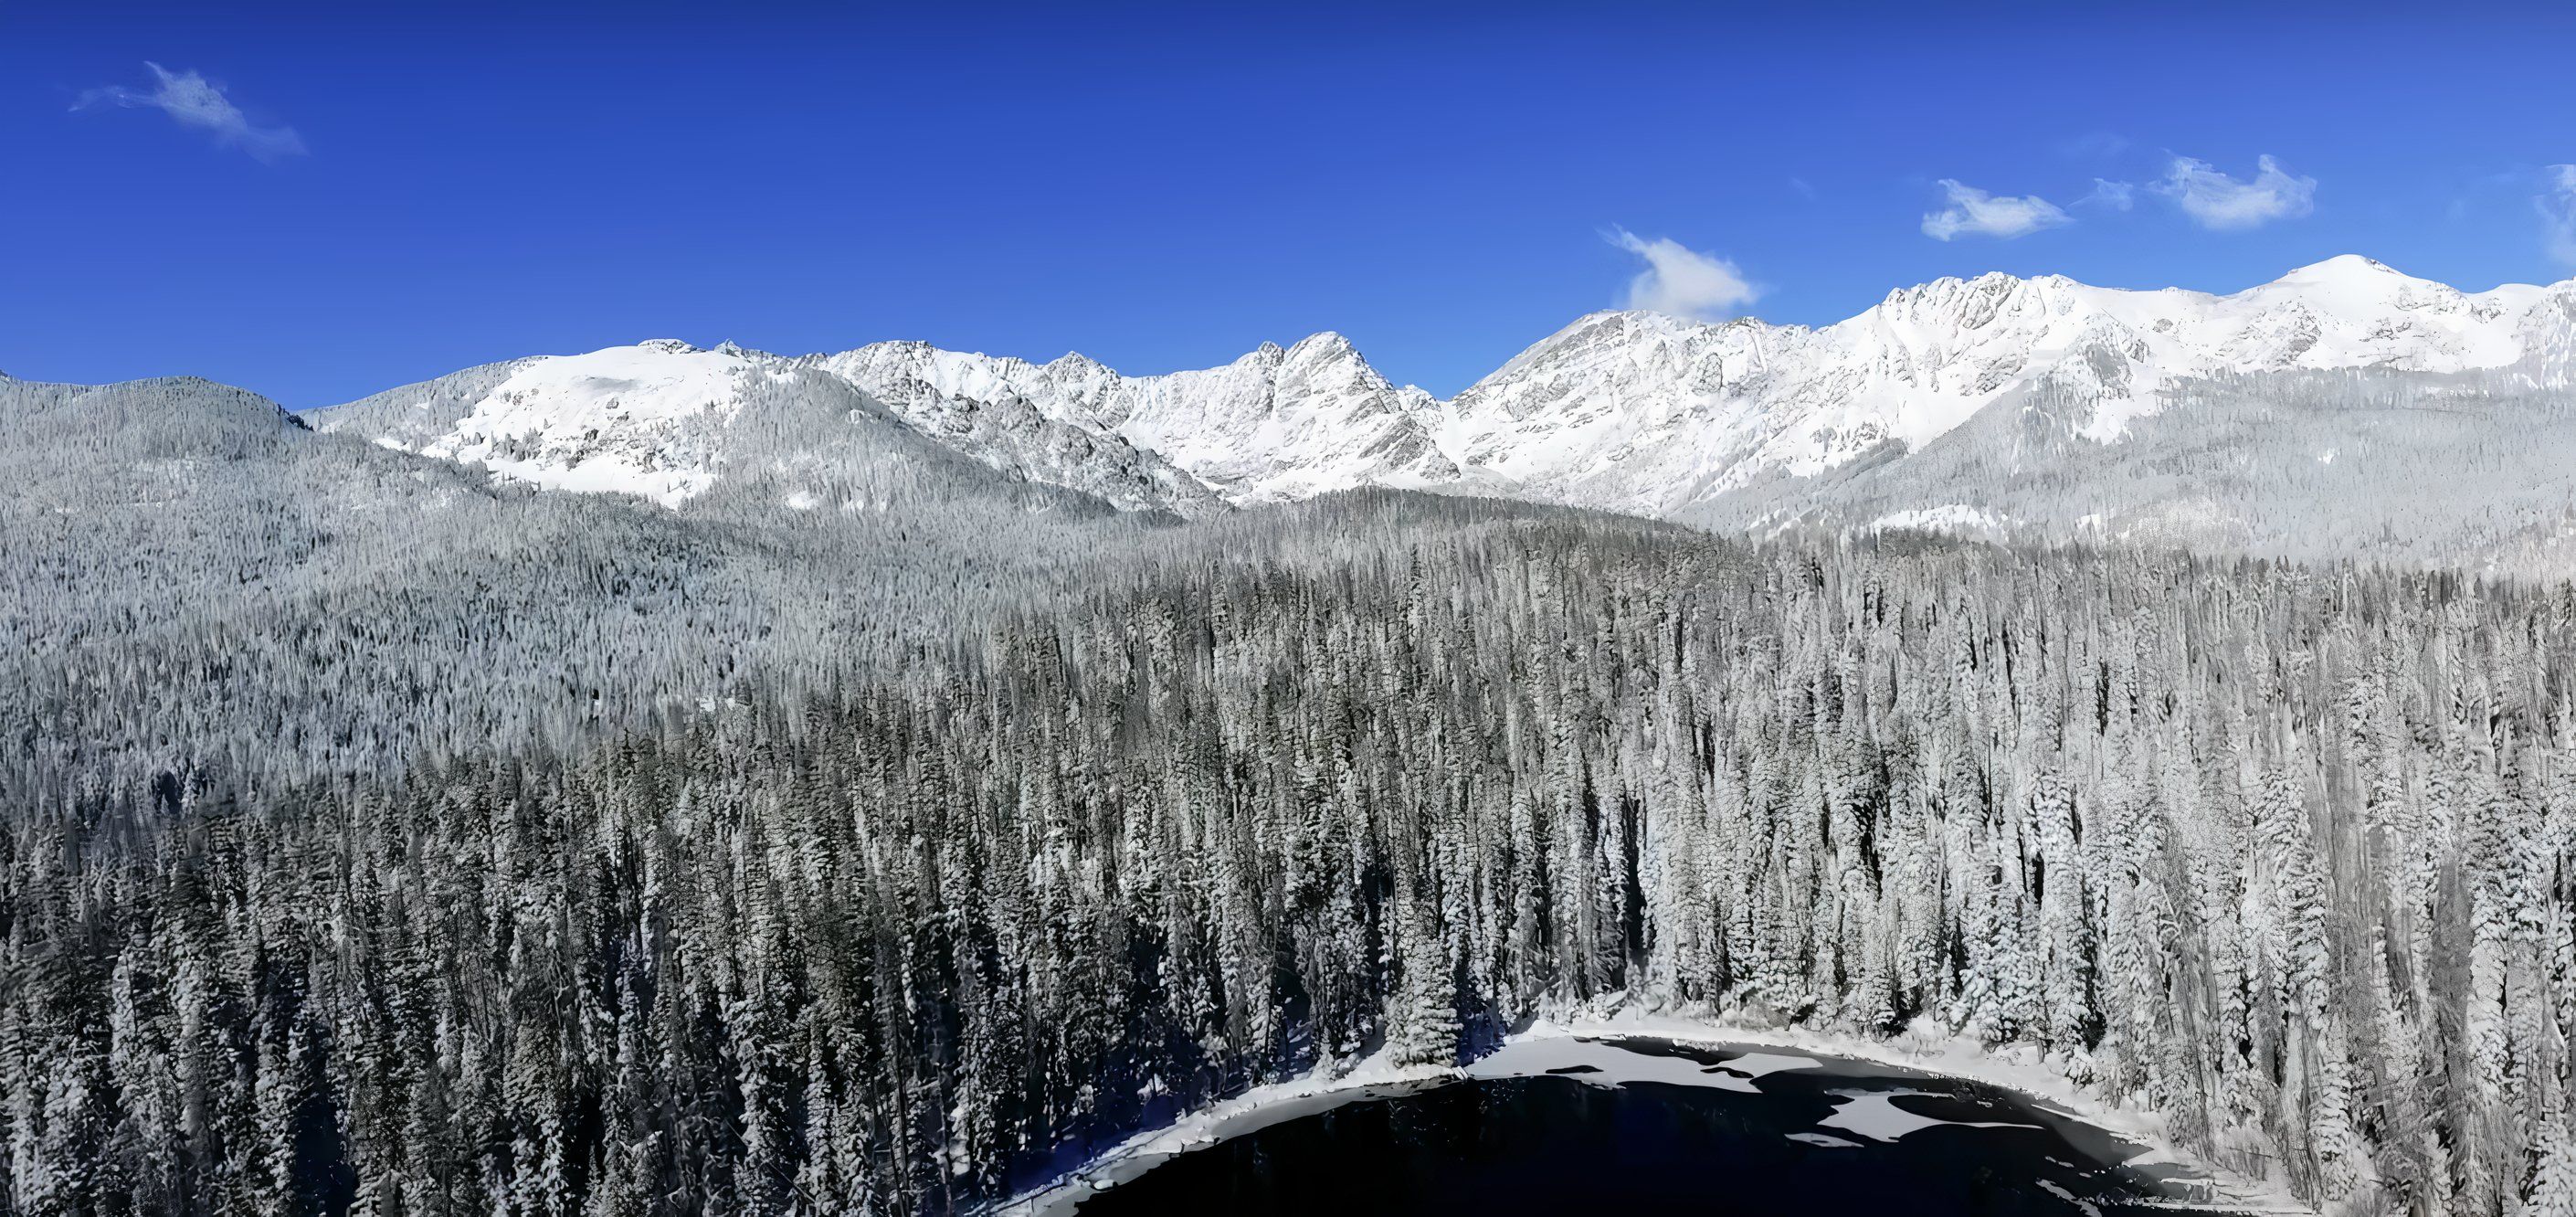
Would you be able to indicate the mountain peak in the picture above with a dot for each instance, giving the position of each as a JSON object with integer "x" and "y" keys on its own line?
{"x": 1323, "y": 344}
{"x": 2343, "y": 264}
{"x": 2350, "y": 272}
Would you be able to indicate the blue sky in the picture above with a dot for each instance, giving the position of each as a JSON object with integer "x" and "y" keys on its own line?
{"x": 320, "y": 200}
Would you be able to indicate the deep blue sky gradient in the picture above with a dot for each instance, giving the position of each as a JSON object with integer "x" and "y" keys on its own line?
{"x": 1166, "y": 187}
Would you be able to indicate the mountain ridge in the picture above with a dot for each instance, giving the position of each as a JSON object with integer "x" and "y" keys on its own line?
{"x": 1620, "y": 410}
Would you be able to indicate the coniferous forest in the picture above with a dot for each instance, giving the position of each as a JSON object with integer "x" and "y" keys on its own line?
{"x": 2284, "y": 853}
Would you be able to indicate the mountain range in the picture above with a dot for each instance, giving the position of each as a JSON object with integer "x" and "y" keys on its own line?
{"x": 1739, "y": 422}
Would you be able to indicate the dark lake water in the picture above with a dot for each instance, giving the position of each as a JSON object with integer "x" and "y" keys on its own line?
{"x": 1762, "y": 1137}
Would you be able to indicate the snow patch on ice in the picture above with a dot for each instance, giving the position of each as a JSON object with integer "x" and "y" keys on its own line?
{"x": 1928, "y": 1047}
{"x": 2089, "y": 1208}
{"x": 1608, "y": 1065}
{"x": 1824, "y": 1139}
{"x": 1764, "y": 1064}
{"x": 1875, "y": 1115}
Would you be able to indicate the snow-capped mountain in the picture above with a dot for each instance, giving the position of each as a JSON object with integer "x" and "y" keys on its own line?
{"x": 1627, "y": 411}
{"x": 1276, "y": 424}
{"x": 667, "y": 421}
{"x": 1654, "y": 415}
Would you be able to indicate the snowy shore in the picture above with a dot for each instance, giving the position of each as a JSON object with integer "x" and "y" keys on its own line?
{"x": 1574, "y": 1040}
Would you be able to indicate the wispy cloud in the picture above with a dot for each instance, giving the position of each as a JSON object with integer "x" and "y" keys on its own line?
{"x": 2118, "y": 196}
{"x": 2557, "y": 204}
{"x": 1682, "y": 281}
{"x": 198, "y": 102}
{"x": 1973, "y": 212}
{"x": 2216, "y": 201}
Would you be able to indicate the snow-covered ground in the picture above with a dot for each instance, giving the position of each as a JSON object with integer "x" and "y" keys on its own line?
{"x": 1326, "y": 1087}
{"x": 1948, "y": 517}
{"x": 1574, "y": 1041}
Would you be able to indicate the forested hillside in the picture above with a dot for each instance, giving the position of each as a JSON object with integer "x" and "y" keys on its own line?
{"x": 2288, "y": 854}
{"x": 191, "y": 577}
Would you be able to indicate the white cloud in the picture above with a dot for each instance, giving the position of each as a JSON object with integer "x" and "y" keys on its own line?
{"x": 1973, "y": 212}
{"x": 2220, "y": 202}
{"x": 1683, "y": 281}
{"x": 2558, "y": 212}
{"x": 2118, "y": 196}
{"x": 198, "y": 102}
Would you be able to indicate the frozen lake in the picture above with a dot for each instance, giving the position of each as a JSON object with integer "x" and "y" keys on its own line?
{"x": 1631, "y": 1126}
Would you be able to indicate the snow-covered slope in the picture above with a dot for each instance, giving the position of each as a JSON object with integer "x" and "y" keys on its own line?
{"x": 1276, "y": 424}
{"x": 1628, "y": 411}
{"x": 1655, "y": 415}
{"x": 643, "y": 420}
{"x": 666, "y": 420}
{"x": 1650, "y": 414}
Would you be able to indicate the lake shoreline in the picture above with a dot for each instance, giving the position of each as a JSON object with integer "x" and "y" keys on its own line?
{"x": 1542, "y": 1046}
